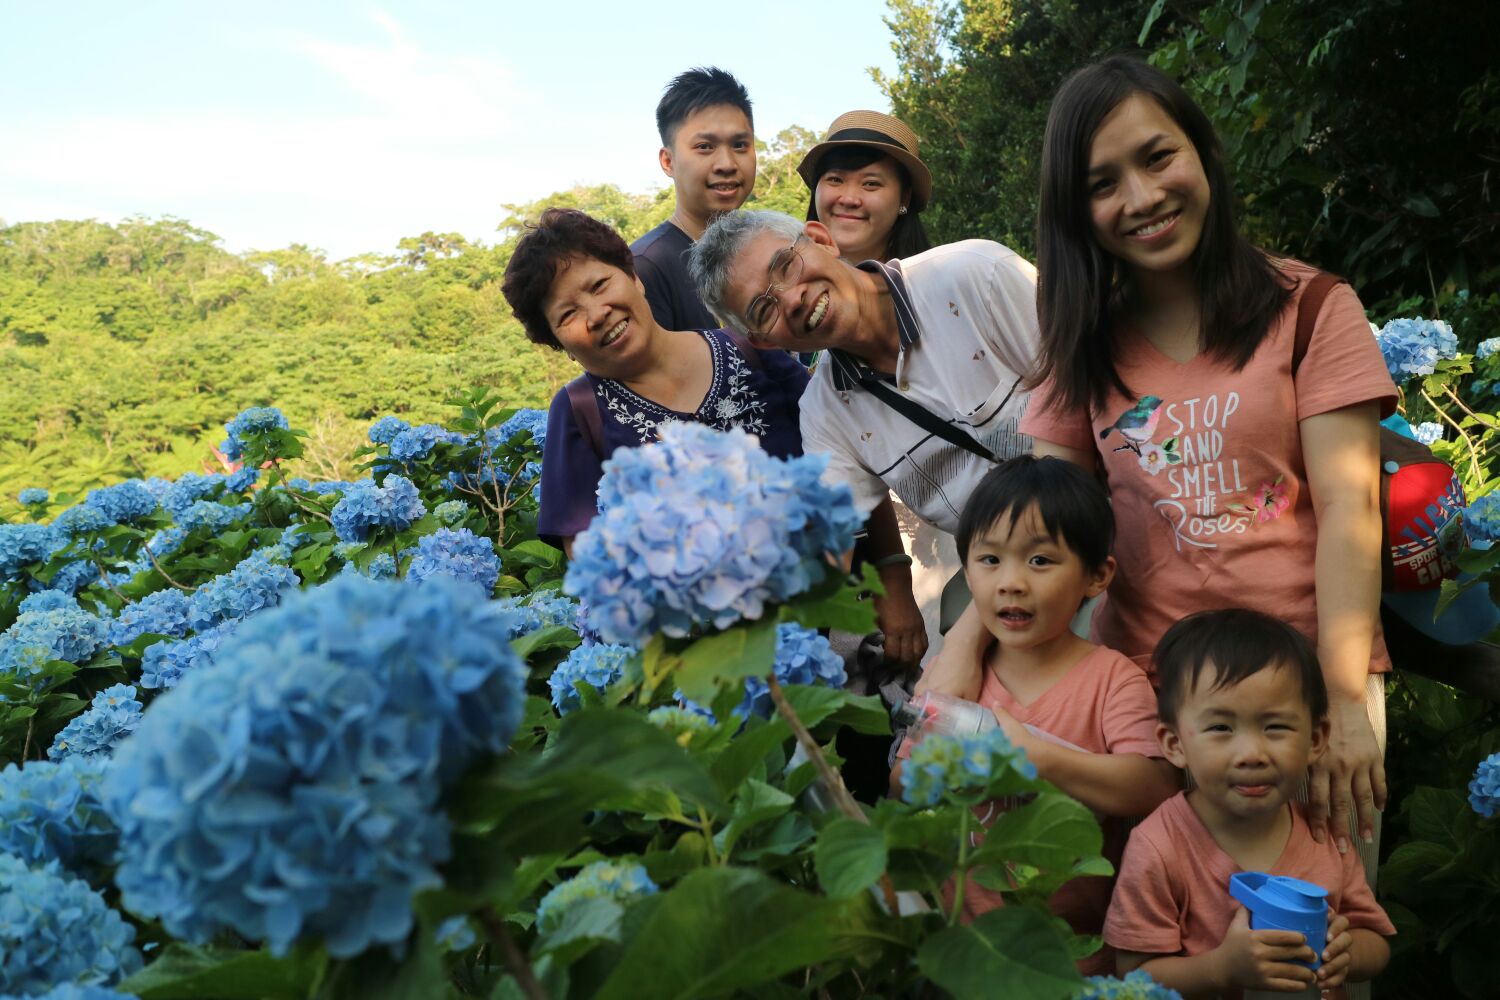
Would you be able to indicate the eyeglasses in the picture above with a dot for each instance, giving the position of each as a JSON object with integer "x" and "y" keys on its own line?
{"x": 784, "y": 269}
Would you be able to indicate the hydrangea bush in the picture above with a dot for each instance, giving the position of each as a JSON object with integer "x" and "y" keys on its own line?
{"x": 290, "y": 787}
{"x": 315, "y": 719}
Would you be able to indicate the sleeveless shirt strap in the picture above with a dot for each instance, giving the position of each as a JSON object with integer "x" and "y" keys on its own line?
{"x": 586, "y": 414}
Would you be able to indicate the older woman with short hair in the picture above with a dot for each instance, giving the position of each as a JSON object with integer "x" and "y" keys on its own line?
{"x": 571, "y": 282}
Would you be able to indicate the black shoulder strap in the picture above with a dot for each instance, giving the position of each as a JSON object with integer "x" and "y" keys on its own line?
{"x": 1308, "y": 307}
{"x": 929, "y": 421}
{"x": 586, "y": 414}
{"x": 747, "y": 350}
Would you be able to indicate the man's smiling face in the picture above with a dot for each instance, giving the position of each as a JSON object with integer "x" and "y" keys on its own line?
{"x": 712, "y": 161}
{"x": 796, "y": 296}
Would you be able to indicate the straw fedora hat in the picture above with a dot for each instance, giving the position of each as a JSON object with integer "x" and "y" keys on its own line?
{"x": 883, "y": 132}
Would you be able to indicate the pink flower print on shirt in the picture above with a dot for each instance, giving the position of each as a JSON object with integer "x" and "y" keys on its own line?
{"x": 1155, "y": 457}
{"x": 1271, "y": 499}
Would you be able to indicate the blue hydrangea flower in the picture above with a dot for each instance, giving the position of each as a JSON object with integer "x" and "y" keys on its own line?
{"x": 241, "y": 480}
{"x": 365, "y": 506}
{"x": 162, "y": 613}
{"x": 384, "y": 430}
{"x": 541, "y": 609}
{"x": 189, "y": 488}
{"x": 1487, "y": 347}
{"x": 414, "y": 443}
{"x": 382, "y": 567}
{"x": 621, "y": 881}
{"x": 210, "y": 514}
{"x": 73, "y": 576}
{"x": 74, "y": 991}
{"x": 451, "y": 512}
{"x": 1415, "y": 346}
{"x": 158, "y": 487}
{"x": 163, "y": 664}
{"x": 36, "y": 637}
{"x": 1482, "y": 520}
{"x": 253, "y": 584}
{"x": 332, "y": 486}
{"x": 294, "y": 536}
{"x": 254, "y": 421}
{"x": 33, "y": 495}
{"x": 1428, "y": 433}
{"x": 1484, "y": 790}
{"x": 460, "y": 554}
{"x": 455, "y": 934}
{"x": 703, "y": 527}
{"x": 802, "y": 657}
{"x": 597, "y": 666}
{"x": 525, "y": 419}
{"x": 123, "y": 503}
{"x": 111, "y": 716}
{"x": 942, "y": 763}
{"x": 23, "y": 544}
{"x": 81, "y": 520}
{"x": 55, "y": 929}
{"x": 1137, "y": 985}
{"x": 50, "y": 811}
{"x": 289, "y": 788}
{"x": 278, "y": 553}
{"x": 47, "y": 600}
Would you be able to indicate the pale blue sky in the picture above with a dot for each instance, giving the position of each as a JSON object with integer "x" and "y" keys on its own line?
{"x": 347, "y": 125}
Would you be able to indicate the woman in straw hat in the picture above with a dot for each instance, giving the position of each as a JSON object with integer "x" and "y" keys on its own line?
{"x": 869, "y": 186}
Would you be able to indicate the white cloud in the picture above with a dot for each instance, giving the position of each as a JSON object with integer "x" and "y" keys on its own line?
{"x": 431, "y": 143}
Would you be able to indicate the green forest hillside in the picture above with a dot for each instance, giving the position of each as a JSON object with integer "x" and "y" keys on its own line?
{"x": 125, "y": 347}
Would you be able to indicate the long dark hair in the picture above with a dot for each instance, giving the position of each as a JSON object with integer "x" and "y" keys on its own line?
{"x": 1081, "y": 287}
{"x": 908, "y": 236}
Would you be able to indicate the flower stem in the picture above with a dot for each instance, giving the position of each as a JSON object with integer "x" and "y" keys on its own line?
{"x": 510, "y": 953}
{"x": 831, "y": 778}
{"x": 1473, "y": 451}
{"x": 706, "y": 827}
{"x": 152, "y": 556}
{"x": 105, "y": 577}
{"x": 963, "y": 868}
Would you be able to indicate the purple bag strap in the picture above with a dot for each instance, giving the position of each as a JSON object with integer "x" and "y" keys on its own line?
{"x": 586, "y": 414}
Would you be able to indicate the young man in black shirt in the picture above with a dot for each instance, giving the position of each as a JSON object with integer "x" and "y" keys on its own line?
{"x": 708, "y": 149}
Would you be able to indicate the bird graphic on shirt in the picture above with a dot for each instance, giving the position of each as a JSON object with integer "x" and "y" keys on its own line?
{"x": 1137, "y": 424}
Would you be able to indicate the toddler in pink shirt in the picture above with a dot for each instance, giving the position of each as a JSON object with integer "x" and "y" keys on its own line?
{"x": 1035, "y": 539}
{"x": 1245, "y": 711}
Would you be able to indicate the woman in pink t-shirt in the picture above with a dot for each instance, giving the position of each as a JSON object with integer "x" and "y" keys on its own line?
{"x": 1167, "y": 342}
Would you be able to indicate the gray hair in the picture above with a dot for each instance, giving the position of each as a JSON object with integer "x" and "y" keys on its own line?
{"x": 721, "y": 244}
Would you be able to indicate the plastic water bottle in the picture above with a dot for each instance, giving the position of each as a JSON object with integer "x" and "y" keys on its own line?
{"x": 931, "y": 714}
{"x": 1282, "y": 903}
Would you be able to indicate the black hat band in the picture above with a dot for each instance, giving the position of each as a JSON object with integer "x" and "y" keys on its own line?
{"x": 865, "y": 135}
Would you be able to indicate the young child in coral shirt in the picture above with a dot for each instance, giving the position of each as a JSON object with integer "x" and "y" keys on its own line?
{"x": 1035, "y": 541}
{"x": 1244, "y": 709}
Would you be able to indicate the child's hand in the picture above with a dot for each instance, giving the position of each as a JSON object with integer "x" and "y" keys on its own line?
{"x": 1264, "y": 960}
{"x": 1336, "y": 957}
{"x": 1008, "y": 724}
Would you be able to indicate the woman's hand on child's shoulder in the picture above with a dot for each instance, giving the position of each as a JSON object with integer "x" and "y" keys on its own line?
{"x": 1263, "y": 960}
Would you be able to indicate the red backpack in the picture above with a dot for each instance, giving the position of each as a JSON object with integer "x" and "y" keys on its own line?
{"x": 1420, "y": 494}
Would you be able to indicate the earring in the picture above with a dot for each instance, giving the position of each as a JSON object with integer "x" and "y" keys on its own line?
{"x": 902, "y": 210}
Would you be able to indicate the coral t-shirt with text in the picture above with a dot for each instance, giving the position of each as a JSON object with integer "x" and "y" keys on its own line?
{"x": 1206, "y": 474}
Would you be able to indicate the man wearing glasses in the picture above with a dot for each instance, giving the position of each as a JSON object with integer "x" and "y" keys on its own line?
{"x": 921, "y": 390}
